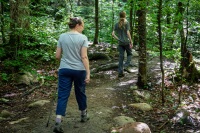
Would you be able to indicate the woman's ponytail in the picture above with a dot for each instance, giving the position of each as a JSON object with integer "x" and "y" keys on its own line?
{"x": 122, "y": 20}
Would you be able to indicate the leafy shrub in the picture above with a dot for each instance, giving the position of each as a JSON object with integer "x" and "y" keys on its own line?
{"x": 2, "y": 52}
{"x": 4, "y": 77}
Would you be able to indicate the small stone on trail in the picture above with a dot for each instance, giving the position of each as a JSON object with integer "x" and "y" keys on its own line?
{"x": 18, "y": 121}
{"x": 134, "y": 127}
{"x": 38, "y": 103}
{"x": 122, "y": 120}
{"x": 141, "y": 106}
{"x": 5, "y": 114}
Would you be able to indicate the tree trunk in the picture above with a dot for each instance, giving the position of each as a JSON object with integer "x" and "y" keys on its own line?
{"x": 187, "y": 69}
{"x": 24, "y": 13}
{"x": 169, "y": 37}
{"x": 71, "y": 8}
{"x": 131, "y": 18}
{"x": 96, "y": 22}
{"x": 113, "y": 17}
{"x": 142, "y": 73}
{"x": 135, "y": 31}
{"x": 184, "y": 62}
{"x": 2, "y": 22}
{"x": 13, "y": 42}
{"x": 19, "y": 25}
{"x": 159, "y": 16}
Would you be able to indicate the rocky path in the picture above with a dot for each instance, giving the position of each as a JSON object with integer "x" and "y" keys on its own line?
{"x": 108, "y": 97}
{"x": 103, "y": 102}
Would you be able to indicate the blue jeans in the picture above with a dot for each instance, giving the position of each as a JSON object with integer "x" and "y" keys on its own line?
{"x": 122, "y": 49}
{"x": 65, "y": 80}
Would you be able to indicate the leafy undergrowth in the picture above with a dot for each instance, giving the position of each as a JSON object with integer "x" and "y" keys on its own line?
{"x": 15, "y": 98}
{"x": 160, "y": 119}
{"x": 177, "y": 96}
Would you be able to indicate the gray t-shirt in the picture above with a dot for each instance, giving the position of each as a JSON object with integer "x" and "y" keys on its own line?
{"x": 122, "y": 33}
{"x": 71, "y": 44}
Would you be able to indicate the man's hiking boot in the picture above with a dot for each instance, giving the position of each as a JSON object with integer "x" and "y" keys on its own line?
{"x": 58, "y": 128}
{"x": 85, "y": 117}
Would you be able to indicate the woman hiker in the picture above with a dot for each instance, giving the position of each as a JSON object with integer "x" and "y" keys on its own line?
{"x": 74, "y": 69}
{"x": 122, "y": 34}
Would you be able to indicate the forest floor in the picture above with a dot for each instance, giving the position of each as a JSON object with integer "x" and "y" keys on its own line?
{"x": 108, "y": 97}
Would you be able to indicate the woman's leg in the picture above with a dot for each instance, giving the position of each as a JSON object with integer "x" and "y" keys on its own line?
{"x": 80, "y": 85}
{"x": 64, "y": 88}
{"x": 129, "y": 56}
{"x": 121, "y": 50}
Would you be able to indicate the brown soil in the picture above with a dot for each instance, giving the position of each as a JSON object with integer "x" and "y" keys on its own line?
{"x": 108, "y": 97}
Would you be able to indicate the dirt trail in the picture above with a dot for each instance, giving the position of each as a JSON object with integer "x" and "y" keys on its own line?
{"x": 102, "y": 98}
{"x": 107, "y": 97}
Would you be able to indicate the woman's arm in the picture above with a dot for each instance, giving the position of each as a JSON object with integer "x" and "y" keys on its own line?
{"x": 85, "y": 61}
{"x": 58, "y": 53}
{"x": 113, "y": 34}
{"x": 129, "y": 36}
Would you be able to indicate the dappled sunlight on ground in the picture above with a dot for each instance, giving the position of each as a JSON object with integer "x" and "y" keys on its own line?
{"x": 108, "y": 96}
{"x": 134, "y": 70}
{"x": 124, "y": 83}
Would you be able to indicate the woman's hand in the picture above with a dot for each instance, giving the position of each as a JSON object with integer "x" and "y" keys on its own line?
{"x": 131, "y": 45}
{"x": 87, "y": 79}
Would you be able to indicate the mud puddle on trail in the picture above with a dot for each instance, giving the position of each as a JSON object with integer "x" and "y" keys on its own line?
{"x": 102, "y": 100}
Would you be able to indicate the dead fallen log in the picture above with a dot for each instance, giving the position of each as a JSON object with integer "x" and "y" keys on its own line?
{"x": 104, "y": 67}
{"x": 98, "y": 56}
{"x": 30, "y": 91}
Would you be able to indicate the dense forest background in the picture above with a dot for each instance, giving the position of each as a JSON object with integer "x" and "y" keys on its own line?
{"x": 30, "y": 29}
{"x": 166, "y": 42}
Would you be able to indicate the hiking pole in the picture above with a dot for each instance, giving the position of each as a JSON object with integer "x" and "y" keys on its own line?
{"x": 51, "y": 107}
